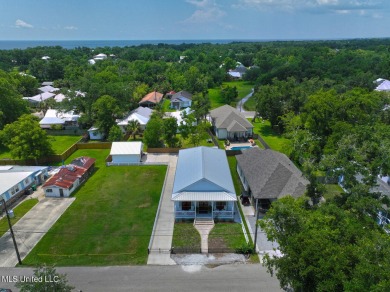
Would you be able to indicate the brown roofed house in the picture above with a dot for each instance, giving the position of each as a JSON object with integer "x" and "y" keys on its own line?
{"x": 151, "y": 99}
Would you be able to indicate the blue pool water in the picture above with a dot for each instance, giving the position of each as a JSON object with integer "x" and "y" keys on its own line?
{"x": 240, "y": 147}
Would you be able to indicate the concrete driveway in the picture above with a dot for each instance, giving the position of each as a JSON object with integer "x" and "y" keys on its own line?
{"x": 31, "y": 228}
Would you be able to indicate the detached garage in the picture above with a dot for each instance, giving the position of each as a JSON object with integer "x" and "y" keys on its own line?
{"x": 126, "y": 152}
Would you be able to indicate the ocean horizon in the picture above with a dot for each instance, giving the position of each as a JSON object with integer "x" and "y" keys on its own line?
{"x": 71, "y": 44}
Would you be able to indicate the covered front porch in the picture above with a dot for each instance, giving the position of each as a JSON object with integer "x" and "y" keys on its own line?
{"x": 204, "y": 209}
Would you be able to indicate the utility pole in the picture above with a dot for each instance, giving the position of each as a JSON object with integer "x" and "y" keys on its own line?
{"x": 257, "y": 218}
{"x": 11, "y": 230}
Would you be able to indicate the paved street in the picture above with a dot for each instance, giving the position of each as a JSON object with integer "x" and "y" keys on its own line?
{"x": 31, "y": 228}
{"x": 239, "y": 277}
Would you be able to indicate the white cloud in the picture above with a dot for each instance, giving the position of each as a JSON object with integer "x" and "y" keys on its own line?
{"x": 22, "y": 24}
{"x": 71, "y": 27}
{"x": 206, "y": 11}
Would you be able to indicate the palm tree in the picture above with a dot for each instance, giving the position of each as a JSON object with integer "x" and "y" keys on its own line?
{"x": 133, "y": 128}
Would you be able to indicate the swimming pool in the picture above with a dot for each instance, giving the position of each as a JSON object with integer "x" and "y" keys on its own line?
{"x": 240, "y": 147}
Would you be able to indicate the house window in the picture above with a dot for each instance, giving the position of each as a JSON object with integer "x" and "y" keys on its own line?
{"x": 26, "y": 181}
{"x": 220, "y": 206}
{"x": 49, "y": 190}
{"x": 186, "y": 206}
{"x": 71, "y": 186}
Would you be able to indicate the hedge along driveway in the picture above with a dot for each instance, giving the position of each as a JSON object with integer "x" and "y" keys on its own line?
{"x": 111, "y": 220}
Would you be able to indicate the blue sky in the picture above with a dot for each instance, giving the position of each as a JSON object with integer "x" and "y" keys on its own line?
{"x": 193, "y": 19}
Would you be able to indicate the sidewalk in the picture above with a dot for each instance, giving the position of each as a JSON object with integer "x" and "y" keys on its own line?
{"x": 163, "y": 233}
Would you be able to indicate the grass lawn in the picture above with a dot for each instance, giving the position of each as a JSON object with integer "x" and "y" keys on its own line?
{"x": 111, "y": 220}
{"x": 19, "y": 212}
{"x": 226, "y": 235}
{"x": 166, "y": 106}
{"x": 273, "y": 139}
{"x": 185, "y": 143}
{"x": 250, "y": 104}
{"x": 243, "y": 88}
{"x": 332, "y": 191}
{"x": 185, "y": 236}
{"x": 4, "y": 152}
{"x": 61, "y": 143}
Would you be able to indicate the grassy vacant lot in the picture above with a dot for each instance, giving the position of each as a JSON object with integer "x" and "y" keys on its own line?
{"x": 19, "y": 212}
{"x": 185, "y": 236}
{"x": 243, "y": 88}
{"x": 226, "y": 235}
{"x": 273, "y": 139}
{"x": 62, "y": 143}
{"x": 111, "y": 220}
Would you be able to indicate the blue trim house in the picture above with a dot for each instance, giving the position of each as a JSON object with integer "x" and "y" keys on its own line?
{"x": 203, "y": 185}
{"x": 15, "y": 180}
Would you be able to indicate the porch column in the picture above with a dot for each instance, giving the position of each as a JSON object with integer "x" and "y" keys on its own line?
{"x": 195, "y": 209}
{"x": 212, "y": 210}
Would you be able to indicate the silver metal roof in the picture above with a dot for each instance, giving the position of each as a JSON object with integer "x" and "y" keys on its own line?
{"x": 202, "y": 170}
{"x": 205, "y": 197}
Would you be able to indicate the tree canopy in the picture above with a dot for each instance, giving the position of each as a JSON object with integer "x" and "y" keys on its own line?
{"x": 25, "y": 138}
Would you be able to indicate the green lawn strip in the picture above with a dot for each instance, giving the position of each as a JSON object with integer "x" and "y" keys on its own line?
{"x": 243, "y": 88}
{"x": 185, "y": 143}
{"x": 111, "y": 220}
{"x": 332, "y": 191}
{"x": 61, "y": 143}
{"x": 166, "y": 106}
{"x": 19, "y": 212}
{"x": 250, "y": 104}
{"x": 237, "y": 186}
{"x": 185, "y": 236}
{"x": 229, "y": 234}
{"x": 276, "y": 141}
{"x": 5, "y": 152}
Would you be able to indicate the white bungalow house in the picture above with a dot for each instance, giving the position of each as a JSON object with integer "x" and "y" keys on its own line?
{"x": 55, "y": 117}
{"x": 140, "y": 114}
{"x": 15, "y": 180}
{"x": 181, "y": 99}
{"x": 203, "y": 186}
{"x": 126, "y": 152}
{"x": 229, "y": 123}
{"x": 69, "y": 177}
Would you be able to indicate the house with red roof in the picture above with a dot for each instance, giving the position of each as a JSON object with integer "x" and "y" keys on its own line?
{"x": 151, "y": 99}
{"x": 69, "y": 177}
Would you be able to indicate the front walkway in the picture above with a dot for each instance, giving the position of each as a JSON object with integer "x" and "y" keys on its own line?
{"x": 31, "y": 228}
{"x": 159, "y": 253}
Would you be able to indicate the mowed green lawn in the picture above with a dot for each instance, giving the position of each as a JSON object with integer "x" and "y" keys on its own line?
{"x": 62, "y": 143}
{"x": 274, "y": 140}
{"x": 243, "y": 88}
{"x": 111, "y": 220}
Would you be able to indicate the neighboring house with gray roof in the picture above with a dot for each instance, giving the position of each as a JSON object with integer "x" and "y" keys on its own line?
{"x": 229, "y": 123}
{"x": 203, "y": 185}
{"x": 15, "y": 180}
{"x": 181, "y": 99}
{"x": 268, "y": 175}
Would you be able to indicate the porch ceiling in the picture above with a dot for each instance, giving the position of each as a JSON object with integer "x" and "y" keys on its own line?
{"x": 204, "y": 197}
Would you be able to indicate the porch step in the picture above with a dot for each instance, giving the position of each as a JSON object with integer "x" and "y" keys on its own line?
{"x": 204, "y": 221}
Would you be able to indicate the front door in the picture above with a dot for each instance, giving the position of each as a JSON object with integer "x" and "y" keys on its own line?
{"x": 204, "y": 208}
{"x": 61, "y": 192}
